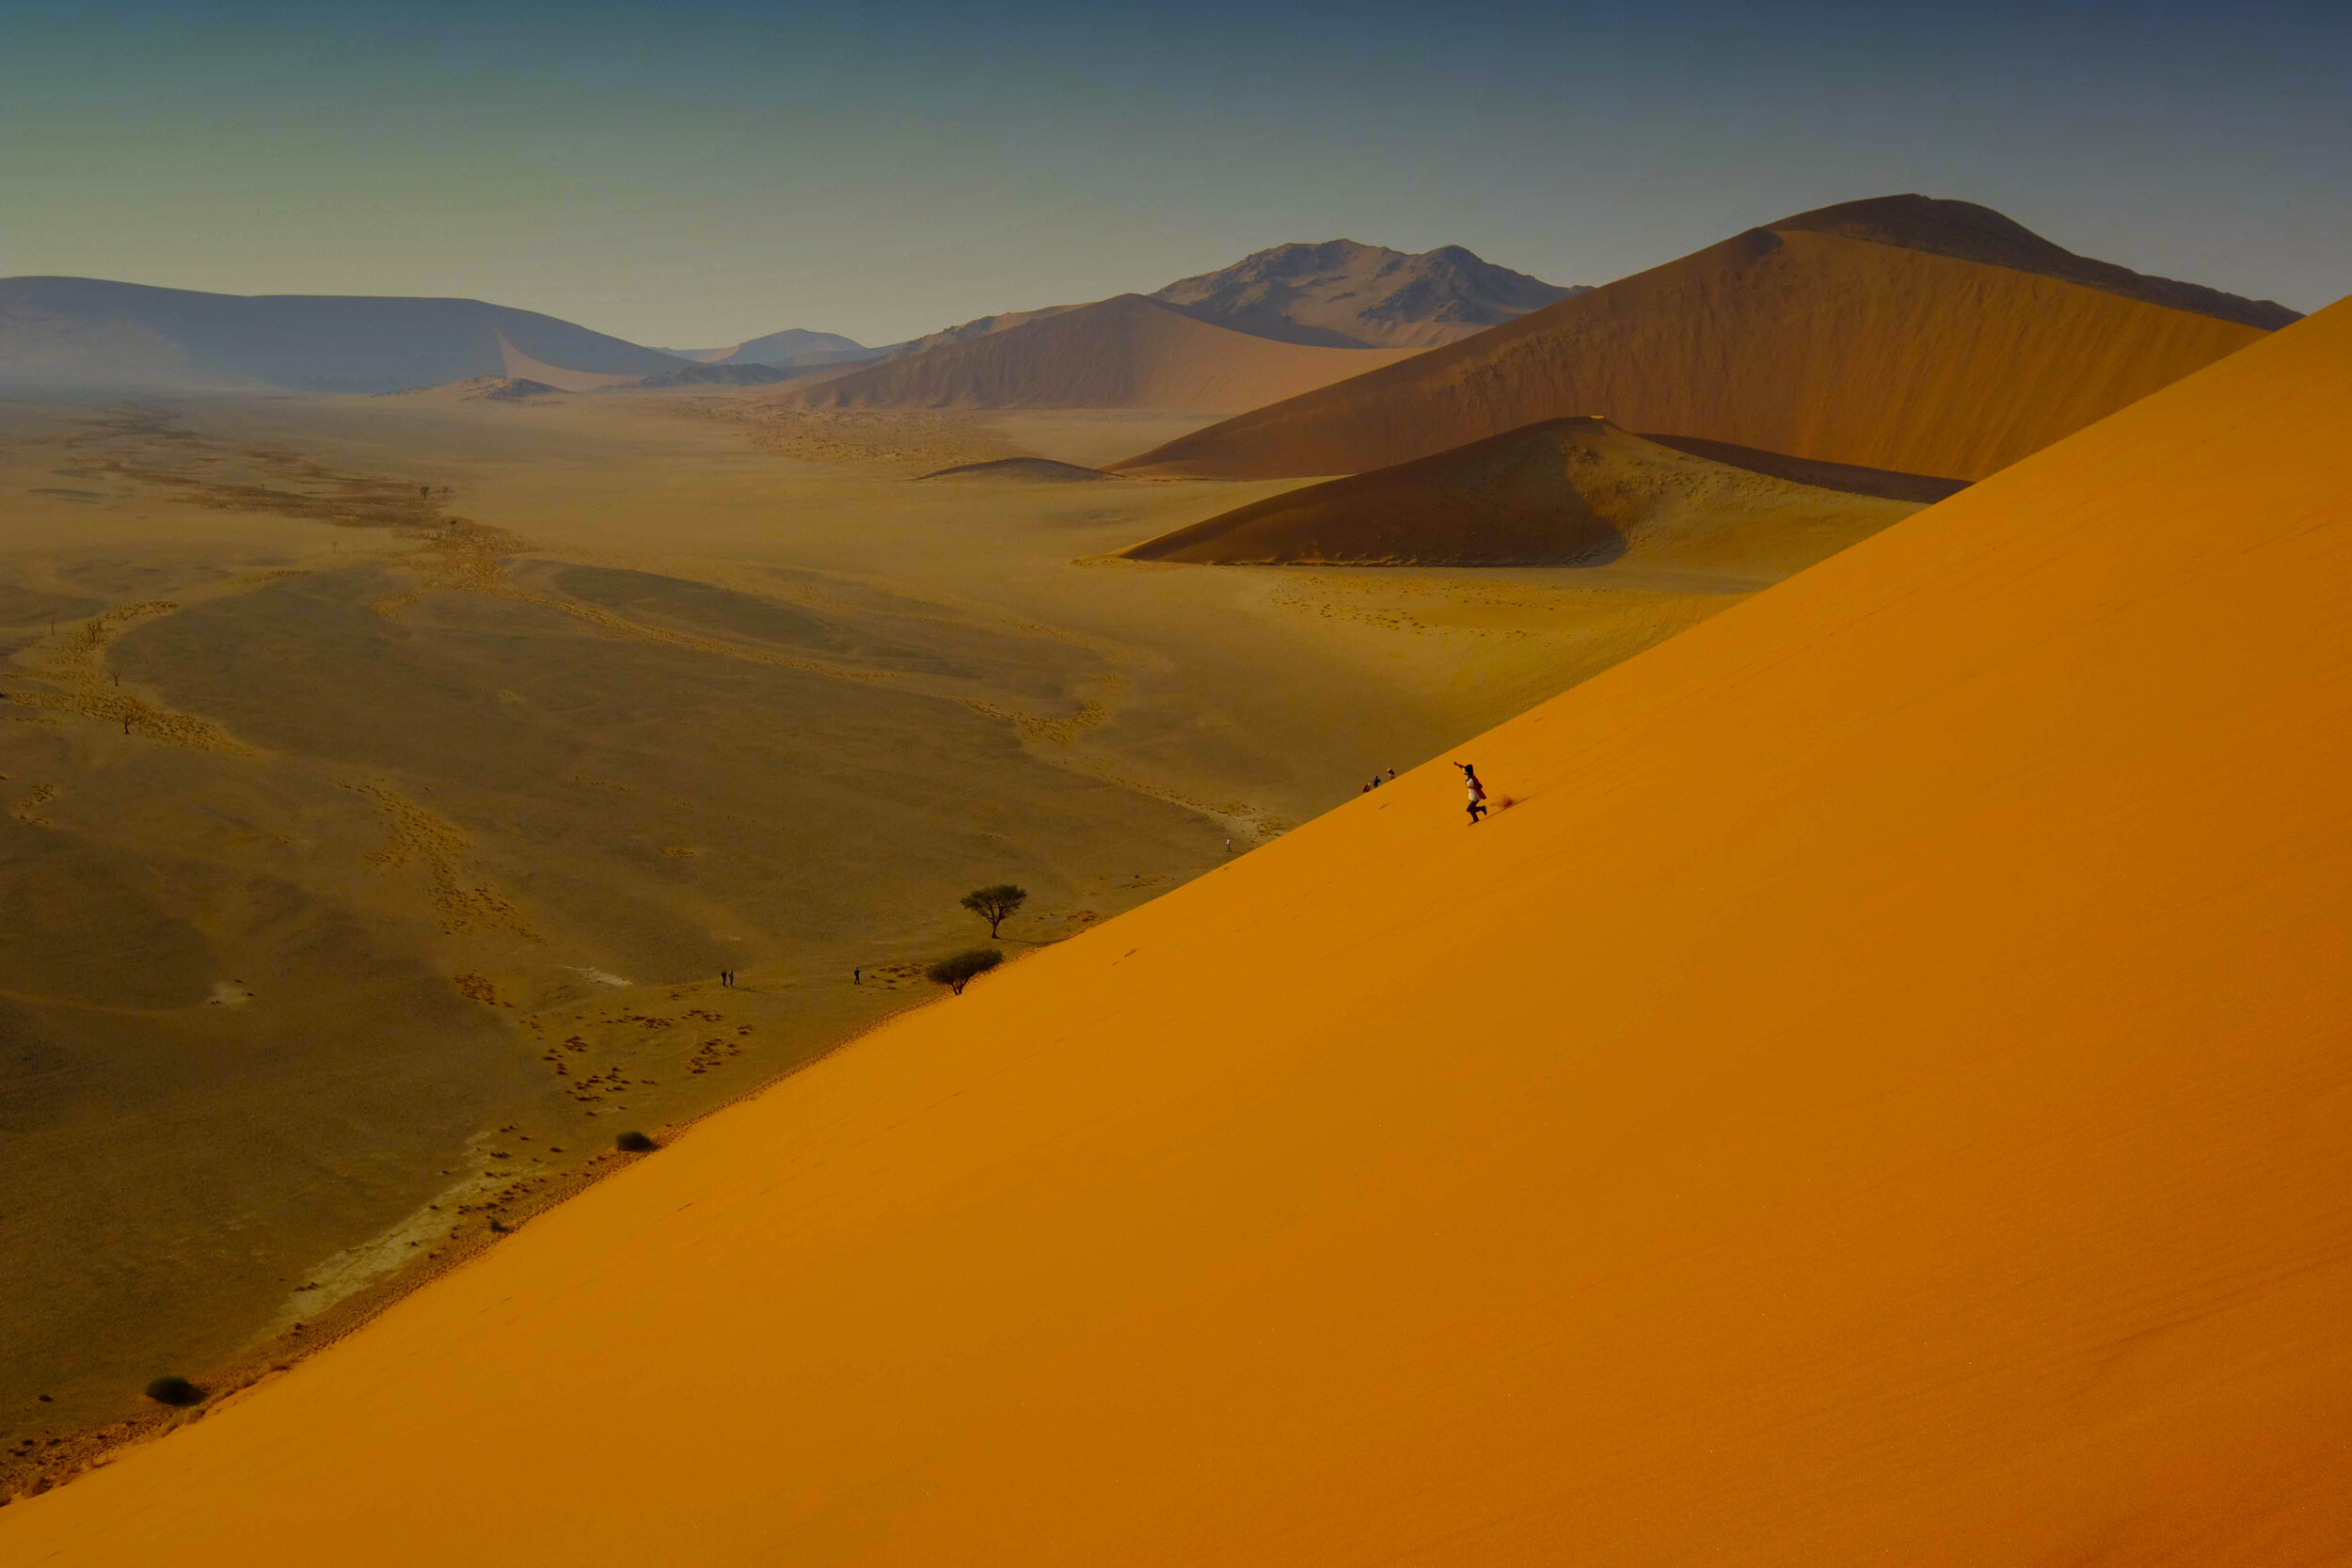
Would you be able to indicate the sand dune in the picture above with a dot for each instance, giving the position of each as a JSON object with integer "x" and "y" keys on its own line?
{"x": 492, "y": 389}
{"x": 87, "y": 332}
{"x": 1566, "y": 492}
{"x": 1799, "y": 338}
{"x": 978, "y": 326}
{"x": 1878, "y": 1097}
{"x": 1975, "y": 233}
{"x": 1123, "y": 353}
{"x": 792, "y": 346}
{"x": 1344, "y": 294}
{"x": 1021, "y": 470}
{"x": 1850, "y": 478}
{"x": 749, "y": 372}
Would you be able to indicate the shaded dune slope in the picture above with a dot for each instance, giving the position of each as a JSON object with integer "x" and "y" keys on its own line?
{"x": 1021, "y": 470}
{"x": 1880, "y": 1097}
{"x": 1974, "y": 234}
{"x": 1886, "y": 484}
{"x": 1564, "y": 493}
{"x": 1123, "y": 353}
{"x": 1799, "y": 341}
{"x": 978, "y": 326}
{"x": 87, "y": 331}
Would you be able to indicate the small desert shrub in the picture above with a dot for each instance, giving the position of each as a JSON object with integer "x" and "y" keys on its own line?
{"x": 633, "y": 1143}
{"x": 174, "y": 1390}
{"x": 957, "y": 972}
{"x": 996, "y": 904}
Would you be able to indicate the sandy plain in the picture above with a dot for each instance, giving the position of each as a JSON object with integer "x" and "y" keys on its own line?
{"x": 388, "y": 780}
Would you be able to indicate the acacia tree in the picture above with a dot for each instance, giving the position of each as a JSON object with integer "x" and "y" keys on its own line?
{"x": 958, "y": 971}
{"x": 996, "y": 904}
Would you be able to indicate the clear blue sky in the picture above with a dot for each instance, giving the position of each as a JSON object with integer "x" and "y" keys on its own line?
{"x": 693, "y": 175}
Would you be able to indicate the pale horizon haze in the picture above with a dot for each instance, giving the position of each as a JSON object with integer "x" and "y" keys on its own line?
{"x": 696, "y": 177}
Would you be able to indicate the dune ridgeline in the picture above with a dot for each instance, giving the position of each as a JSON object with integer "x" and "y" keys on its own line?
{"x": 1124, "y": 353}
{"x": 1562, "y": 493}
{"x": 88, "y": 333}
{"x": 1919, "y": 337}
{"x": 1877, "y": 1096}
{"x": 1277, "y": 322}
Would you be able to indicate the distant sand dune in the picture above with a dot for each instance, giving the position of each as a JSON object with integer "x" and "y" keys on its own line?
{"x": 1801, "y": 339}
{"x": 1122, "y": 353}
{"x": 90, "y": 332}
{"x": 1880, "y": 1097}
{"x": 1021, "y": 470}
{"x": 491, "y": 388}
{"x": 1566, "y": 492}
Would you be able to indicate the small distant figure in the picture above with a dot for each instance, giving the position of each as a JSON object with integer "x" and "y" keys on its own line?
{"x": 1375, "y": 780}
{"x": 1365, "y": 790}
{"x": 1477, "y": 792}
{"x": 726, "y": 976}
{"x": 1392, "y": 774}
{"x": 857, "y": 976}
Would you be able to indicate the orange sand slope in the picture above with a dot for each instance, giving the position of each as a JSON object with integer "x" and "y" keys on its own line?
{"x": 1566, "y": 492}
{"x": 1801, "y": 339}
{"x": 1883, "y": 1096}
{"x": 1124, "y": 353}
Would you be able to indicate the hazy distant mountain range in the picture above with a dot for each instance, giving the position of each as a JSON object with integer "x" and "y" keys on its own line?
{"x": 90, "y": 334}
{"x": 1342, "y": 294}
{"x": 86, "y": 332}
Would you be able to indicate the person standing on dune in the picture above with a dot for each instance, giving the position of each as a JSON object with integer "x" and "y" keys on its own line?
{"x": 1477, "y": 792}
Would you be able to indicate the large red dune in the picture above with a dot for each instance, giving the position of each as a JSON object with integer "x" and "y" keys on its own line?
{"x": 1932, "y": 338}
{"x": 1127, "y": 352}
{"x": 1882, "y": 1095}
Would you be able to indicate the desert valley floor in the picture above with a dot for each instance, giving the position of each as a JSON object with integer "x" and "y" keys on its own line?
{"x": 389, "y": 779}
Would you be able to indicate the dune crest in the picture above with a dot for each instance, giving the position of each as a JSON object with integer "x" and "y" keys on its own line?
{"x": 1564, "y": 493}
{"x": 1124, "y": 353}
{"x": 1974, "y": 234}
{"x": 1799, "y": 339}
{"x": 1878, "y": 1097}
{"x": 1021, "y": 470}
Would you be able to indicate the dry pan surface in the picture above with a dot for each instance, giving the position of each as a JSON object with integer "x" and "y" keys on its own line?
{"x": 386, "y": 782}
{"x": 1879, "y": 1095}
